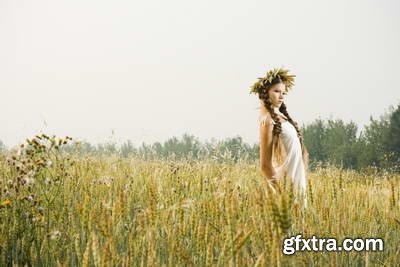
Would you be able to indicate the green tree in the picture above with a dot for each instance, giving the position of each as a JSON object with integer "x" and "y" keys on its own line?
{"x": 374, "y": 138}
{"x": 127, "y": 149}
{"x": 235, "y": 147}
{"x": 190, "y": 146}
{"x": 340, "y": 142}
{"x": 393, "y": 133}
{"x": 314, "y": 137}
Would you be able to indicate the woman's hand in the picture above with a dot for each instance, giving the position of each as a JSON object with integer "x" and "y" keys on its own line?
{"x": 274, "y": 180}
{"x": 271, "y": 178}
{"x": 271, "y": 174}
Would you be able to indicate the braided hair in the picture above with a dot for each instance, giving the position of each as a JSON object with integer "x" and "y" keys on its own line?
{"x": 277, "y": 128}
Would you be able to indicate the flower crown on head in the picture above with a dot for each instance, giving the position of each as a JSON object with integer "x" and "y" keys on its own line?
{"x": 263, "y": 82}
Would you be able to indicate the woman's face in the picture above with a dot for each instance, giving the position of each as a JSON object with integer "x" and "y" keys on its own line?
{"x": 277, "y": 93}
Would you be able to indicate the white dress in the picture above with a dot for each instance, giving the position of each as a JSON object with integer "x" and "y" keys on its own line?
{"x": 292, "y": 168}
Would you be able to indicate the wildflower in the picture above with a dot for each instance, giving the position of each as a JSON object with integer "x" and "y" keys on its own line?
{"x": 29, "y": 198}
{"x": 47, "y": 180}
{"x": 54, "y": 234}
{"x": 49, "y": 163}
{"x": 6, "y": 192}
{"x": 41, "y": 210}
{"x": 28, "y": 181}
{"x": 6, "y": 203}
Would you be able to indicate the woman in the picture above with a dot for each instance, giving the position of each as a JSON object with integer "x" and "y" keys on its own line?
{"x": 282, "y": 151}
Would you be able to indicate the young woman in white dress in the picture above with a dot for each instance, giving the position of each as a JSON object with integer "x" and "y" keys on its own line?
{"x": 282, "y": 151}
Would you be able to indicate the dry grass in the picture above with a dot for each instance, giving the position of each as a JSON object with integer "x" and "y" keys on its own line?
{"x": 114, "y": 212}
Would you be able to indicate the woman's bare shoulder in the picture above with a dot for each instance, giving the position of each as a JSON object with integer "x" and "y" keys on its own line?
{"x": 265, "y": 118}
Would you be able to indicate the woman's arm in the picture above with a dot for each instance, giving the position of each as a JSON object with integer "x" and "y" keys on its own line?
{"x": 266, "y": 127}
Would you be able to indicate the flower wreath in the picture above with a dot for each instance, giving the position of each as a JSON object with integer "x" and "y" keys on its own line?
{"x": 263, "y": 82}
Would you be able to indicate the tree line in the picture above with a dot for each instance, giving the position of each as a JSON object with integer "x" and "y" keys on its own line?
{"x": 329, "y": 142}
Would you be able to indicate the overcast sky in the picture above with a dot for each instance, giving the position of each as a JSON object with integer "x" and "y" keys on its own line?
{"x": 150, "y": 70}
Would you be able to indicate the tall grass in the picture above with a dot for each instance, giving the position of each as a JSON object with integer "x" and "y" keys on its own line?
{"x": 110, "y": 211}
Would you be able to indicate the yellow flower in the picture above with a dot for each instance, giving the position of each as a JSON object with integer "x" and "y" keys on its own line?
{"x": 6, "y": 202}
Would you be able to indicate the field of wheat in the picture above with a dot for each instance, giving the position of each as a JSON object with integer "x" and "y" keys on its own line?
{"x": 64, "y": 210}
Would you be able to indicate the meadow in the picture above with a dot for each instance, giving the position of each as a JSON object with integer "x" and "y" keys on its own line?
{"x": 60, "y": 209}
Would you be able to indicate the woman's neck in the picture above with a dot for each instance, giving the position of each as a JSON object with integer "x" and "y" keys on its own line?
{"x": 275, "y": 108}
{"x": 277, "y": 111}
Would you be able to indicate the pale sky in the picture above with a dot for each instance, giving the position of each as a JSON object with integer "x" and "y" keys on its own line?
{"x": 150, "y": 70}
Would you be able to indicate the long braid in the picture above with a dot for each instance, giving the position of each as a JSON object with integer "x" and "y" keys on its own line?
{"x": 277, "y": 130}
{"x": 283, "y": 109}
